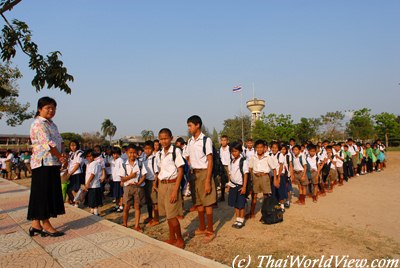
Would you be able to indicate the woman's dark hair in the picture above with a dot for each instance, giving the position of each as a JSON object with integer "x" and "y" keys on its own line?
{"x": 237, "y": 146}
{"x": 78, "y": 146}
{"x": 43, "y": 102}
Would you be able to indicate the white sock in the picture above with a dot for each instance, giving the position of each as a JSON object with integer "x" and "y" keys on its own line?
{"x": 95, "y": 211}
{"x": 241, "y": 220}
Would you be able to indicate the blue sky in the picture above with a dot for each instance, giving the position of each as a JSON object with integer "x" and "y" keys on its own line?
{"x": 152, "y": 64}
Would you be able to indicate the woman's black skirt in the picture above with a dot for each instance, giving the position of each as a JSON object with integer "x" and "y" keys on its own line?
{"x": 46, "y": 199}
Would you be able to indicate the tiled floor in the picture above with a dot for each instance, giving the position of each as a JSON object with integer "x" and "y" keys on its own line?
{"x": 89, "y": 241}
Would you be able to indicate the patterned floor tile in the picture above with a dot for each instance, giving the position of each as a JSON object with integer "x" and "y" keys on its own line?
{"x": 14, "y": 242}
{"x": 28, "y": 258}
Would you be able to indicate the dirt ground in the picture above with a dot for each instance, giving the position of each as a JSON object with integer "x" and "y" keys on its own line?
{"x": 360, "y": 219}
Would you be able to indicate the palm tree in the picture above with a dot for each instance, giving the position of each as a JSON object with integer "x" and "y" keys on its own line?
{"x": 108, "y": 128}
{"x": 147, "y": 134}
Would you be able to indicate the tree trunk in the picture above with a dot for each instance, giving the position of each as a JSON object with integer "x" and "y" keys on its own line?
{"x": 387, "y": 138}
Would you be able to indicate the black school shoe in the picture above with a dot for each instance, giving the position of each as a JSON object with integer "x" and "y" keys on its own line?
{"x": 235, "y": 224}
{"x": 239, "y": 225}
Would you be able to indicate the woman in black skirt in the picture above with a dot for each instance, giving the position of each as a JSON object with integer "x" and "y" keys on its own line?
{"x": 46, "y": 199}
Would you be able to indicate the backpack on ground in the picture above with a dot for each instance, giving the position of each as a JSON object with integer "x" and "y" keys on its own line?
{"x": 271, "y": 211}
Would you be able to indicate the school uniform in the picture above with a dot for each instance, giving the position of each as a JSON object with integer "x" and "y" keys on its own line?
{"x": 133, "y": 193}
{"x": 94, "y": 195}
{"x": 199, "y": 164}
{"x": 313, "y": 162}
{"x": 235, "y": 198}
{"x": 77, "y": 178}
{"x": 225, "y": 156}
{"x": 150, "y": 164}
{"x": 9, "y": 161}
{"x": 248, "y": 153}
{"x": 261, "y": 169}
{"x": 281, "y": 192}
{"x": 167, "y": 177}
{"x": 354, "y": 154}
{"x": 299, "y": 170}
{"x": 332, "y": 176}
{"x": 116, "y": 167}
{"x": 339, "y": 162}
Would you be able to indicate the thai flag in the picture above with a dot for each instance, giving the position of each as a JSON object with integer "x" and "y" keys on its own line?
{"x": 237, "y": 89}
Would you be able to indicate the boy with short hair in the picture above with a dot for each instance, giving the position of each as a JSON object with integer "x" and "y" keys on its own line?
{"x": 199, "y": 154}
{"x": 339, "y": 162}
{"x": 314, "y": 168}
{"x": 116, "y": 167}
{"x": 132, "y": 176}
{"x": 347, "y": 163}
{"x": 279, "y": 183}
{"x": 248, "y": 152}
{"x": 260, "y": 166}
{"x": 151, "y": 167}
{"x": 300, "y": 174}
{"x": 354, "y": 155}
{"x": 332, "y": 175}
{"x": 225, "y": 155}
{"x": 170, "y": 163}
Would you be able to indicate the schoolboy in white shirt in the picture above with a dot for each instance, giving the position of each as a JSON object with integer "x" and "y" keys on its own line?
{"x": 169, "y": 181}
{"x": 199, "y": 154}
{"x": 225, "y": 154}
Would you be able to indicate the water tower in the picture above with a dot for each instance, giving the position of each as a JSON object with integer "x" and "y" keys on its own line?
{"x": 255, "y": 106}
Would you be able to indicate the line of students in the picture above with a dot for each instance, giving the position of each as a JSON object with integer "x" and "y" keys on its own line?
{"x": 159, "y": 174}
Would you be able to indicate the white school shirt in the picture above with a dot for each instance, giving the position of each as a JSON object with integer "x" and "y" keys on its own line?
{"x": 93, "y": 168}
{"x": 297, "y": 166}
{"x": 108, "y": 159}
{"x": 277, "y": 159}
{"x": 312, "y": 161}
{"x": 116, "y": 167}
{"x": 132, "y": 169}
{"x": 225, "y": 155}
{"x": 353, "y": 149}
{"x": 168, "y": 169}
{"x": 75, "y": 158}
{"x": 261, "y": 165}
{"x": 248, "y": 153}
{"x": 100, "y": 160}
{"x": 381, "y": 147}
{"x": 198, "y": 160}
{"x": 339, "y": 163}
{"x": 234, "y": 172}
{"x": 333, "y": 166}
{"x": 286, "y": 165}
{"x": 151, "y": 168}
{"x": 10, "y": 157}
{"x": 3, "y": 163}
{"x": 322, "y": 154}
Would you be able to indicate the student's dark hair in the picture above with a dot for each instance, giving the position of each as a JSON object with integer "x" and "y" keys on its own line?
{"x": 9, "y": 151}
{"x": 292, "y": 139}
{"x": 337, "y": 144}
{"x": 196, "y": 120}
{"x": 90, "y": 152}
{"x": 43, "y": 102}
{"x": 224, "y": 137}
{"x": 275, "y": 143}
{"x": 346, "y": 146}
{"x": 116, "y": 150}
{"x": 367, "y": 143}
{"x": 139, "y": 148}
{"x": 297, "y": 146}
{"x": 97, "y": 147}
{"x": 165, "y": 131}
{"x": 325, "y": 141}
{"x": 237, "y": 146}
{"x": 249, "y": 139}
{"x": 131, "y": 146}
{"x": 149, "y": 143}
{"x": 125, "y": 146}
{"x": 349, "y": 139}
{"x": 78, "y": 145}
{"x": 258, "y": 142}
{"x": 329, "y": 147}
{"x": 156, "y": 140}
{"x": 312, "y": 147}
{"x": 180, "y": 140}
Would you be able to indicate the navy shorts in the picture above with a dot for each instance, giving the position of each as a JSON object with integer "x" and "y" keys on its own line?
{"x": 235, "y": 199}
{"x": 118, "y": 191}
{"x": 281, "y": 192}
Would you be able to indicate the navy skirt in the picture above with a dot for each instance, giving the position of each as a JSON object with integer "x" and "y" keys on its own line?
{"x": 45, "y": 199}
{"x": 94, "y": 197}
{"x": 235, "y": 199}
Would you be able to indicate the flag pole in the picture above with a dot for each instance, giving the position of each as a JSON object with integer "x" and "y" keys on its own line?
{"x": 241, "y": 112}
